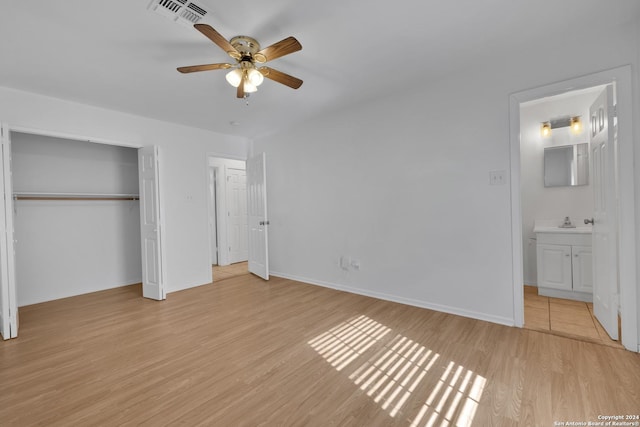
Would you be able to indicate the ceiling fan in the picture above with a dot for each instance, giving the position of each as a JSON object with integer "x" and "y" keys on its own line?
{"x": 246, "y": 76}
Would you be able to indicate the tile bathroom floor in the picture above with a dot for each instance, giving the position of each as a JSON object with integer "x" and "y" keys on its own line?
{"x": 573, "y": 319}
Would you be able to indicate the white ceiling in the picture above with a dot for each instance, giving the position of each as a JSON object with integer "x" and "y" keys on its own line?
{"x": 118, "y": 55}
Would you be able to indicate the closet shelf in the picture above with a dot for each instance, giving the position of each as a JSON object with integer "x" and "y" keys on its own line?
{"x": 73, "y": 196}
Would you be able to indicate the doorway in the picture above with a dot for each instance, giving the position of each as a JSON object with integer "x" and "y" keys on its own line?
{"x": 557, "y": 188}
{"x": 625, "y": 262}
{"x": 228, "y": 220}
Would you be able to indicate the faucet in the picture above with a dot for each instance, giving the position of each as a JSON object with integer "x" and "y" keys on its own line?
{"x": 567, "y": 223}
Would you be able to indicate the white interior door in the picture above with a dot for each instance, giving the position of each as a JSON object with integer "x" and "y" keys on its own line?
{"x": 8, "y": 300}
{"x": 237, "y": 215}
{"x": 605, "y": 273}
{"x": 153, "y": 279}
{"x": 257, "y": 210}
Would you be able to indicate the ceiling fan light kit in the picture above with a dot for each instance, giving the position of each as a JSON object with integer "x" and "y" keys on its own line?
{"x": 245, "y": 76}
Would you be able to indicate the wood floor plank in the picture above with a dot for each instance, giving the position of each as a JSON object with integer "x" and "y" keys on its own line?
{"x": 244, "y": 351}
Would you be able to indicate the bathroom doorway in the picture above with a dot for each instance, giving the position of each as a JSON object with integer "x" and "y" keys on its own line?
{"x": 534, "y": 205}
{"x": 557, "y": 195}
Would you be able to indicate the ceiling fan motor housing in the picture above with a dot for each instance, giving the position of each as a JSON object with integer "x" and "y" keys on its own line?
{"x": 247, "y": 46}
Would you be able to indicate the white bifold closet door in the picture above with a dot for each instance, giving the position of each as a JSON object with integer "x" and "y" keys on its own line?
{"x": 8, "y": 299}
{"x": 151, "y": 225}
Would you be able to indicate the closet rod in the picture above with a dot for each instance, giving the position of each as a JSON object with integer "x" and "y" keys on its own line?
{"x": 72, "y": 196}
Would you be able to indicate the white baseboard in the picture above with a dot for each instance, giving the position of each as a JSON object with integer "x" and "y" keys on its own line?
{"x": 123, "y": 283}
{"x": 185, "y": 287}
{"x": 402, "y": 300}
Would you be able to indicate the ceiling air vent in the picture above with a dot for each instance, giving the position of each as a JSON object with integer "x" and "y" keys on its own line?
{"x": 182, "y": 11}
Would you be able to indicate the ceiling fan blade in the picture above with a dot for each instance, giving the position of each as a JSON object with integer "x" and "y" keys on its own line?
{"x": 280, "y": 77}
{"x": 240, "y": 92}
{"x": 276, "y": 50}
{"x": 218, "y": 39}
{"x": 204, "y": 67}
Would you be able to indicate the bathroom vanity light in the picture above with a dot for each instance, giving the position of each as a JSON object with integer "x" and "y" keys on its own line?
{"x": 576, "y": 125}
{"x": 573, "y": 122}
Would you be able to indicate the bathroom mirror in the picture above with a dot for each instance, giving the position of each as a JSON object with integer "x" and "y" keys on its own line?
{"x": 567, "y": 165}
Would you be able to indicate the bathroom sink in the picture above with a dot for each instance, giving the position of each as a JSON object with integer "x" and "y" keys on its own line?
{"x": 585, "y": 229}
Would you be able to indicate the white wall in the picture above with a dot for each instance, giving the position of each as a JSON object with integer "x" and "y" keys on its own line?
{"x": 402, "y": 184}
{"x": 549, "y": 203}
{"x": 183, "y": 161}
{"x": 66, "y": 248}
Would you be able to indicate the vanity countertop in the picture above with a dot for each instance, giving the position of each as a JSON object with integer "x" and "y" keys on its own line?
{"x": 551, "y": 229}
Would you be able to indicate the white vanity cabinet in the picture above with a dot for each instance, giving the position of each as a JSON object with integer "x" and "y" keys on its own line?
{"x": 564, "y": 263}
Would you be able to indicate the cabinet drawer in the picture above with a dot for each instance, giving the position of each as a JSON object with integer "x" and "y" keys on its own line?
{"x": 575, "y": 239}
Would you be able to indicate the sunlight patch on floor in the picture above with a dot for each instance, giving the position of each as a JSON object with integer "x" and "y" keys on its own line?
{"x": 454, "y": 399}
{"x": 394, "y": 372}
{"x": 345, "y": 342}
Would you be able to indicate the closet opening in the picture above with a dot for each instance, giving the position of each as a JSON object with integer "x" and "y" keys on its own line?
{"x": 76, "y": 217}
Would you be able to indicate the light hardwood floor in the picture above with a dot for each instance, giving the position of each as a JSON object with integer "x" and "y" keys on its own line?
{"x": 244, "y": 352}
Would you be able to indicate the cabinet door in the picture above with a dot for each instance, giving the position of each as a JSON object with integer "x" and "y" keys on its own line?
{"x": 554, "y": 266}
{"x": 582, "y": 269}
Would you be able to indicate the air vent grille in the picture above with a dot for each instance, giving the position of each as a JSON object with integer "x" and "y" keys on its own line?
{"x": 183, "y": 12}
{"x": 197, "y": 9}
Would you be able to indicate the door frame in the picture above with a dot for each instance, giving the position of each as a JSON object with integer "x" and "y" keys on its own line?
{"x": 212, "y": 203}
{"x": 626, "y": 261}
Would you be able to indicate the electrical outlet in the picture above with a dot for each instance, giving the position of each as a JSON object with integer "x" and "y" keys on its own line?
{"x": 345, "y": 261}
{"x": 497, "y": 177}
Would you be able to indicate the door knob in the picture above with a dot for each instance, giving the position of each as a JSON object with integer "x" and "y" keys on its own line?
{"x": 588, "y": 221}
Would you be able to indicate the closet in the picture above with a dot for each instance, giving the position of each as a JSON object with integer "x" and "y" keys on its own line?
{"x": 76, "y": 217}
